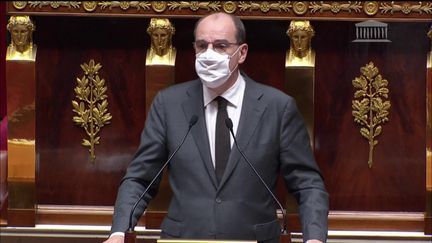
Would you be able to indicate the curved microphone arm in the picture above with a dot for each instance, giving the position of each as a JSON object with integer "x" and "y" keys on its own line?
{"x": 192, "y": 122}
{"x": 229, "y": 125}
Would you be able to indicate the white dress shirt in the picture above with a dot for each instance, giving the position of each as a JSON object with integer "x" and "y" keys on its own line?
{"x": 234, "y": 96}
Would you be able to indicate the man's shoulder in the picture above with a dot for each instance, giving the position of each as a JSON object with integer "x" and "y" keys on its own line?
{"x": 267, "y": 91}
{"x": 184, "y": 86}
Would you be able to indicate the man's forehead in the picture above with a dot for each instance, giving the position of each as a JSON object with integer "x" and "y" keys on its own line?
{"x": 216, "y": 28}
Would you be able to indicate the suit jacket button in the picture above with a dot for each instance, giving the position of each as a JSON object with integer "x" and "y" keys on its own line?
{"x": 218, "y": 200}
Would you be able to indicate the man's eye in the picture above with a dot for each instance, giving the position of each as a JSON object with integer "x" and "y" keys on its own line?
{"x": 221, "y": 46}
{"x": 202, "y": 45}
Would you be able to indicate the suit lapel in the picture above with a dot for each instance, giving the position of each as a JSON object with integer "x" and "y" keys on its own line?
{"x": 194, "y": 105}
{"x": 252, "y": 111}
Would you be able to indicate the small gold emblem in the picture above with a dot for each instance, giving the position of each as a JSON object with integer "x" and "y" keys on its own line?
{"x": 19, "y": 4}
{"x": 300, "y": 8}
{"x": 370, "y": 8}
{"x": 89, "y": 6}
{"x": 159, "y": 6}
{"x": 229, "y": 7}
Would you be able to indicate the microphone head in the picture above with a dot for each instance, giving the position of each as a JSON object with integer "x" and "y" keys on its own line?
{"x": 193, "y": 120}
{"x": 229, "y": 123}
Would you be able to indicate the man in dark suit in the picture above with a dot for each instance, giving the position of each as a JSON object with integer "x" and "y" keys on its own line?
{"x": 229, "y": 202}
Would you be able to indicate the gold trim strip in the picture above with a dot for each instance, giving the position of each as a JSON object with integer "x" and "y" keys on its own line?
{"x": 21, "y": 141}
{"x": 297, "y": 7}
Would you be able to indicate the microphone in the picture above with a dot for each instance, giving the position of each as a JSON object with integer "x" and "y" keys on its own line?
{"x": 193, "y": 120}
{"x": 229, "y": 125}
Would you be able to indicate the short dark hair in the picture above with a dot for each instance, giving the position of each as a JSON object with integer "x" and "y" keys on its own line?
{"x": 238, "y": 24}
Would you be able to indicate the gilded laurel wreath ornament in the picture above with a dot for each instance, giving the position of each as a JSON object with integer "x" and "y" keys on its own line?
{"x": 370, "y": 107}
{"x": 91, "y": 105}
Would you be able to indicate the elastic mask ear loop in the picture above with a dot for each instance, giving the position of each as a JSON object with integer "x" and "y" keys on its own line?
{"x": 238, "y": 48}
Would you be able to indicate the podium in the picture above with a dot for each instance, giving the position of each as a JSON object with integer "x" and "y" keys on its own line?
{"x": 202, "y": 241}
{"x": 130, "y": 237}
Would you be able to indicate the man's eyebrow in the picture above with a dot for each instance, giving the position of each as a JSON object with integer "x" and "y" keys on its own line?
{"x": 217, "y": 40}
{"x": 221, "y": 40}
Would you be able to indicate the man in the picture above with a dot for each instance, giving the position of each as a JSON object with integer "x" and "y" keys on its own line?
{"x": 231, "y": 205}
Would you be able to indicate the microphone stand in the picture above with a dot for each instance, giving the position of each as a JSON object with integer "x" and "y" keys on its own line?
{"x": 130, "y": 234}
{"x": 285, "y": 236}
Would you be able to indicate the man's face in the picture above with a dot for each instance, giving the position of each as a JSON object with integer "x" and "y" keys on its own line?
{"x": 20, "y": 36}
{"x": 160, "y": 38}
{"x": 221, "y": 28}
{"x": 300, "y": 42}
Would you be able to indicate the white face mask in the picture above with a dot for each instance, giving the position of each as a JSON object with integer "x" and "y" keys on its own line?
{"x": 213, "y": 67}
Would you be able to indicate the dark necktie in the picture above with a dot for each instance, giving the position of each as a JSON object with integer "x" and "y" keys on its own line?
{"x": 222, "y": 142}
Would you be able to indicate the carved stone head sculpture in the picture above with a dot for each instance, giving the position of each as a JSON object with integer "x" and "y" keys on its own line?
{"x": 21, "y": 29}
{"x": 161, "y": 32}
{"x": 300, "y": 33}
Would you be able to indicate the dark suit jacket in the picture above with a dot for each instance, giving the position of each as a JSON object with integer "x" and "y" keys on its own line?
{"x": 273, "y": 136}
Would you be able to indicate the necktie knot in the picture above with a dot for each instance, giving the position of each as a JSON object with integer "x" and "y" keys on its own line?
{"x": 222, "y": 103}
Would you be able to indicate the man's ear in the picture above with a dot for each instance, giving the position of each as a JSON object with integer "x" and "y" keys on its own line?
{"x": 243, "y": 53}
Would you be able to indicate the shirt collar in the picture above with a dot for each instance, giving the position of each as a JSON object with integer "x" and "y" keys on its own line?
{"x": 232, "y": 95}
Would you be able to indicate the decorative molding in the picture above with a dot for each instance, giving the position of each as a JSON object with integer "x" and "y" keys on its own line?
{"x": 370, "y": 109}
{"x": 125, "y": 5}
{"x": 320, "y": 9}
{"x": 406, "y": 8}
{"x": 195, "y": 5}
{"x": 52, "y": 4}
{"x": 92, "y": 105}
{"x": 335, "y": 7}
{"x": 265, "y": 6}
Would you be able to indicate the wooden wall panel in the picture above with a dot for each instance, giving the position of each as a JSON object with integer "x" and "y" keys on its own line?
{"x": 396, "y": 180}
{"x": 65, "y": 173}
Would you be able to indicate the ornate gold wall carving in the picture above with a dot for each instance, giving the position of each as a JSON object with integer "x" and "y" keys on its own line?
{"x": 298, "y": 8}
{"x": 92, "y": 105}
{"x": 406, "y": 8}
{"x": 370, "y": 109}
